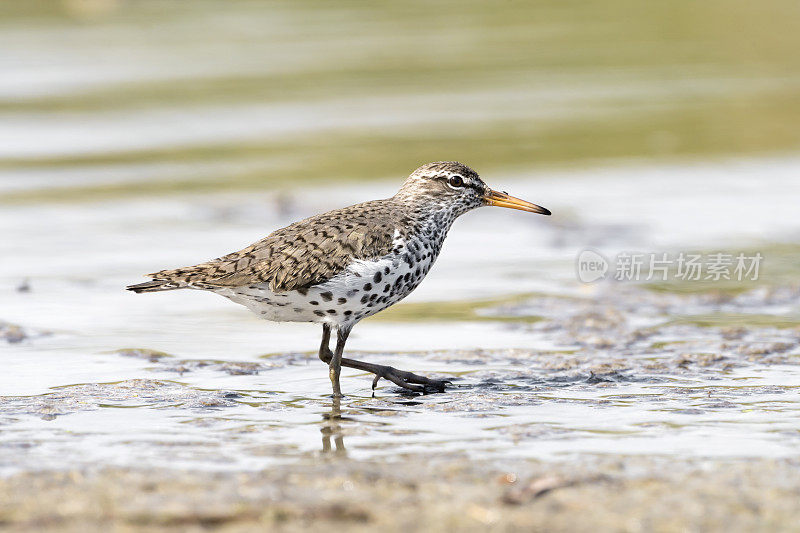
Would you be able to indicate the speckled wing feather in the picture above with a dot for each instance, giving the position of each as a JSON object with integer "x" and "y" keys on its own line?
{"x": 300, "y": 255}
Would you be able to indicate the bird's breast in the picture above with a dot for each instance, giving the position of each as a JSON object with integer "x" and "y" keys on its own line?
{"x": 363, "y": 288}
{"x": 374, "y": 284}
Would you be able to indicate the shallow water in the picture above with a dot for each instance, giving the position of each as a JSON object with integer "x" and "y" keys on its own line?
{"x": 542, "y": 365}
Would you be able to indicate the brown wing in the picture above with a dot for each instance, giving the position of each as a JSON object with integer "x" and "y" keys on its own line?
{"x": 300, "y": 255}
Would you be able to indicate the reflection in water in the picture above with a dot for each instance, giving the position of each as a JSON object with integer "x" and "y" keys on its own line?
{"x": 332, "y": 429}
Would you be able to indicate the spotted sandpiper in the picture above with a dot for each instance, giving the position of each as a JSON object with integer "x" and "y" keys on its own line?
{"x": 340, "y": 267}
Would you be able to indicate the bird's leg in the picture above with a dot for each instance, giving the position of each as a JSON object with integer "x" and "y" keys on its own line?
{"x": 325, "y": 353}
{"x": 335, "y": 365}
{"x": 407, "y": 380}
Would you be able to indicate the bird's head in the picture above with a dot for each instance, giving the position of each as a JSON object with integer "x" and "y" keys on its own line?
{"x": 456, "y": 188}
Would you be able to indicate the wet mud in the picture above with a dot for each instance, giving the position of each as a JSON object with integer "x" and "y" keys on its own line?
{"x": 430, "y": 492}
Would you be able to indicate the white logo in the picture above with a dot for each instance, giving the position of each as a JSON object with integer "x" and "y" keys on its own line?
{"x": 591, "y": 266}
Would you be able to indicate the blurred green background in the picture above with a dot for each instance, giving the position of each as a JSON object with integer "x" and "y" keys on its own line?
{"x": 112, "y": 97}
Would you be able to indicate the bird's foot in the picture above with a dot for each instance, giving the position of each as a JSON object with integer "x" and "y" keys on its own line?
{"x": 408, "y": 380}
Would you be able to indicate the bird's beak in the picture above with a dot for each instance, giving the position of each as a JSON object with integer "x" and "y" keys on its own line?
{"x": 501, "y": 199}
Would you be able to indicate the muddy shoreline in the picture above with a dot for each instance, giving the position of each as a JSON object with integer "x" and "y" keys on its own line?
{"x": 434, "y": 492}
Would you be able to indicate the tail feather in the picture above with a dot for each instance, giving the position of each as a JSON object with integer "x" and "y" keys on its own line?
{"x": 154, "y": 286}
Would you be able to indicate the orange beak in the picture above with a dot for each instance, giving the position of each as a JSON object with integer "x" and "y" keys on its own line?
{"x": 501, "y": 199}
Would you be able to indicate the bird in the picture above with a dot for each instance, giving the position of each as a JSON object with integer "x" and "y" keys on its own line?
{"x": 340, "y": 267}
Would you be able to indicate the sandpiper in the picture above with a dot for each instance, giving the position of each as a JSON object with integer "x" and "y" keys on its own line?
{"x": 340, "y": 267}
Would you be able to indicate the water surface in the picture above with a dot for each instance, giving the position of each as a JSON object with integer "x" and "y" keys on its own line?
{"x": 542, "y": 365}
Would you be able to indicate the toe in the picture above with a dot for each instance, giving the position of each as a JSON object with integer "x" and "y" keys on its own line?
{"x": 435, "y": 386}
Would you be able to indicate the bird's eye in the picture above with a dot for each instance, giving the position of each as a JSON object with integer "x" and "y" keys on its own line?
{"x": 456, "y": 181}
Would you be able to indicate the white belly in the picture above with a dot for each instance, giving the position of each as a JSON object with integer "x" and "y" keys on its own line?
{"x": 363, "y": 289}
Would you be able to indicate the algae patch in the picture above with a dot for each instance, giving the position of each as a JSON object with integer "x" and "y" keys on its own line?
{"x": 457, "y": 311}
